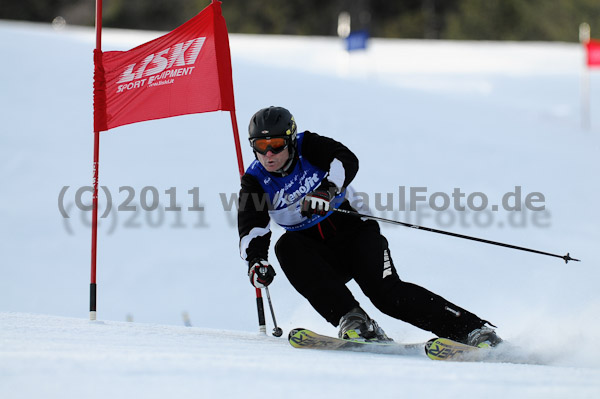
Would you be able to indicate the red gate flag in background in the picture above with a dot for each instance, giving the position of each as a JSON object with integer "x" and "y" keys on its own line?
{"x": 186, "y": 71}
{"x": 593, "y": 52}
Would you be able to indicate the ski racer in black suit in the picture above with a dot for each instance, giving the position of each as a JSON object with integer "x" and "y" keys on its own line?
{"x": 295, "y": 181}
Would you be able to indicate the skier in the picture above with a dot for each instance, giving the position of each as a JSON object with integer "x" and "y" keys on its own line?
{"x": 296, "y": 179}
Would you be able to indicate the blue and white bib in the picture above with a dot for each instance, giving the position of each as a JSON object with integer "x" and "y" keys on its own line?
{"x": 285, "y": 192}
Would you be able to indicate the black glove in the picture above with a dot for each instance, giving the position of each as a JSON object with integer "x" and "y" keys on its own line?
{"x": 261, "y": 273}
{"x": 318, "y": 201}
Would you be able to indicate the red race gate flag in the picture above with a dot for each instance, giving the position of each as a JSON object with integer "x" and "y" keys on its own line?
{"x": 183, "y": 72}
{"x": 593, "y": 52}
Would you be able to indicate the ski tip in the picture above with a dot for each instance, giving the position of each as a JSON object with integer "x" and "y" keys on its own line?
{"x": 295, "y": 331}
{"x": 446, "y": 349}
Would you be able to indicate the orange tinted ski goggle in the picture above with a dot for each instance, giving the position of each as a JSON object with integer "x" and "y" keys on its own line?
{"x": 275, "y": 145}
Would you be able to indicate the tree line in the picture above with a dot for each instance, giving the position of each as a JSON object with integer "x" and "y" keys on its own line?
{"x": 540, "y": 20}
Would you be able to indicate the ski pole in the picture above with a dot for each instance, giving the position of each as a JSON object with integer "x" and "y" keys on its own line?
{"x": 277, "y": 332}
{"x": 566, "y": 257}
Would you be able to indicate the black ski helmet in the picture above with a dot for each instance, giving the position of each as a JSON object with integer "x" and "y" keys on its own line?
{"x": 273, "y": 122}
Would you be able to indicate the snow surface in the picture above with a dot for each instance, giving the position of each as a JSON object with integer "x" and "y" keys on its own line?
{"x": 479, "y": 116}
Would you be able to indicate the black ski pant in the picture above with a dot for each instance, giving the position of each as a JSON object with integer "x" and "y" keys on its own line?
{"x": 319, "y": 262}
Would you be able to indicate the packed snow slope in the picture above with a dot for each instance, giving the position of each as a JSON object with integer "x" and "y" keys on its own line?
{"x": 58, "y": 357}
{"x": 491, "y": 120}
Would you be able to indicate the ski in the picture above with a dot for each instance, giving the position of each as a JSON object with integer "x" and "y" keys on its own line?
{"x": 443, "y": 349}
{"x": 446, "y": 349}
{"x": 307, "y": 339}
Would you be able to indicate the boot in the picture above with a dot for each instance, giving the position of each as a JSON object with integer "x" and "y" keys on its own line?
{"x": 484, "y": 337}
{"x": 356, "y": 325}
